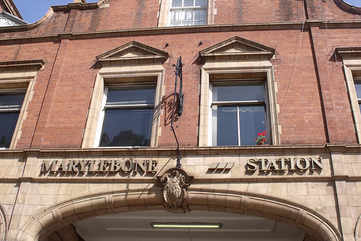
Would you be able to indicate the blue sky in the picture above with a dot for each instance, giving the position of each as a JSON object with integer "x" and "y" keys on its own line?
{"x": 32, "y": 11}
{"x": 354, "y": 2}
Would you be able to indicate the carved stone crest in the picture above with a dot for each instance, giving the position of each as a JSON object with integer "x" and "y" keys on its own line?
{"x": 174, "y": 184}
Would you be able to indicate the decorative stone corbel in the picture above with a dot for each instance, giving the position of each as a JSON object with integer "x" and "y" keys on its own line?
{"x": 174, "y": 184}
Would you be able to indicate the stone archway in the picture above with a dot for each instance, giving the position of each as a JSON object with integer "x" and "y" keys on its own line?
{"x": 62, "y": 215}
{"x": 3, "y": 225}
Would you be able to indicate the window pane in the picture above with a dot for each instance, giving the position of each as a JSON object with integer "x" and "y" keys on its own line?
{"x": 358, "y": 89}
{"x": 251, "y": 91}
{"x": 141, "y": 96}
{"x": 252, "y": 121}
{"x": 177, "y": 3}
{"x": 201, "y": 3}
{"x": 177, "y": 17}
{"x": 7, "y": 126}
{"x": 124, "y": 127}
{"x": 11, "y": 99}
{"x": 188, "y": 3}
{"x": 188, "y": 17}
{"x": 200, "y": 17}
{"x": 226, "y": 126}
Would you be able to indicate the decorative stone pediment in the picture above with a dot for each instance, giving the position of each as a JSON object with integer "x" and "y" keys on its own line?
{"x": 130, "y": 52}
{"x": 237, "y": 47}
{"x": 348, "y": 52}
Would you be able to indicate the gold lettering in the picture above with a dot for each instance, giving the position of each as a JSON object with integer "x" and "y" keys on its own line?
{"x": 292, "y": 164}
{"x": 127, "y": 167}
{"x": 62, "y": 167}
{"x": 115, "y": 166}
{"x": 302, "y": 164}
{"x": 251, "y": 165}
{"x": 47, "y": 167}
{"x": 316, "y": 164}
{"x": 73, "y": 166}
{"x": 82, "y": 165}
{"x": 264, "y": 164}
{"x": 282, "y": 164}
{"x": 272, "y": 165}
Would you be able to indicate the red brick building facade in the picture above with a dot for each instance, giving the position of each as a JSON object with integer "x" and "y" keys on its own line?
{"x": 307, "y": 51}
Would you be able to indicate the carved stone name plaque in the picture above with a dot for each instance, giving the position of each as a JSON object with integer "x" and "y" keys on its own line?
{"x": 232, "y": 167}
{"x": 99, "y": 168}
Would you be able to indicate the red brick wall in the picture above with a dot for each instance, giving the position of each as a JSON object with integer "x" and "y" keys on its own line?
{"x": 64, "y": 87}
{"x": 333, "y": 83}
{"x": 329, "y": 10}
{"x": 63, "y": 117}
{"x": 265, "y": 11}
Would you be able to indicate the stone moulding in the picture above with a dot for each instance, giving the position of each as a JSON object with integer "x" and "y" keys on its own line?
{"x": 243, "y": 48}
{"x": 37, "y": 64}
{"x": 3, "y": 224}
{"x": 347, "y": 7}
{"x": 53, "y": 218}
{"x": 132, "y": 51}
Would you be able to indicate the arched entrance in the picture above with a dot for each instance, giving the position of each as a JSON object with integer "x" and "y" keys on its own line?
{"x": 63, "y": 217}
{"x": 161, "y": 225}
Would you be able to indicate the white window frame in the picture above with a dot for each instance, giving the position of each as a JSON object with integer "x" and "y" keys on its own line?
{"x": 230, "y": 82}
{"x": 14, "y": 81}
{"x": 351, "y": 65}
{"x": 236, "y": 67}
{"x": 122, "y": 76}
{"x": 165, "y": 8}
{"x": 171, "y": 9}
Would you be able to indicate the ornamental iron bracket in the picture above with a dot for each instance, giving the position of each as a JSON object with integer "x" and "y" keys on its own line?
{"x": 174, "y": 184}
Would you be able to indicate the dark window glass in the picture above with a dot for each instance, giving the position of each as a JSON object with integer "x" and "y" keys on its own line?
{"x": 7, "y": 126}
{"x": 188, "y": 3}
{"x": 239, "y": 122}
{"x": 11, "y": 99}
{"x": 177, "y": 3}
{"x": 227, "y": 126}
{"x": 252, "y": 122}
{"x": 201, "y": 3}
{"x": 10, "y": 104}
{"x": 239, "y": 92}
{"x": 358, "y": 89}
{"x": 133, "y": 96}
{"x": 124, "y": 127}
{"x": 125, "y": 122}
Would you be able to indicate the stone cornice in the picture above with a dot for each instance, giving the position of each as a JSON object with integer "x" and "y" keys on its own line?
{"x": 348, "y": 52}
{"x": 80, "y": 6}
{"x": 37, "y": 63}
{"x": 298, "y": 25}
{"x": 250, "y": 150}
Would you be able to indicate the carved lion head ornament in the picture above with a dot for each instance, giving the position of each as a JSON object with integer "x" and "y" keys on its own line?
{"x": 174, "y": 184}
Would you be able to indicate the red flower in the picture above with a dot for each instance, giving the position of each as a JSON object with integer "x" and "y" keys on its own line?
{"x": 261, "y": 138}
